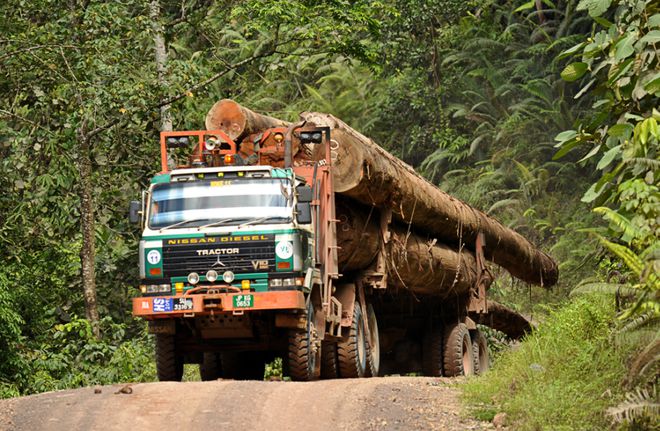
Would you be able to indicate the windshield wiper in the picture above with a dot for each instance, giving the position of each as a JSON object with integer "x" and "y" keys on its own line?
{"x": 182, "y": 222}
{"x": 259, "y": 220}
{"x": 216, "y": 223}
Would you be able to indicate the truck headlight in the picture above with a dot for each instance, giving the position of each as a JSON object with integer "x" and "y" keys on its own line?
{"x": 193, "y": 278}
{"x": 211, "y": 276}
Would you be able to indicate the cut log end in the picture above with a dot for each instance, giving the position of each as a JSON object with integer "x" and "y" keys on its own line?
{"x": 228, "y": 116}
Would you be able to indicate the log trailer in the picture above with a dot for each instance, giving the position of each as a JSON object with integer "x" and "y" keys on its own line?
{"x": 249, "y": 252}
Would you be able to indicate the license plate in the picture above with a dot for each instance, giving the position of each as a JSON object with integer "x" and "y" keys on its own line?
{"x": 243, "y": 301}
{"x": 183, "y": 304}
{"x": 165, "y": 305}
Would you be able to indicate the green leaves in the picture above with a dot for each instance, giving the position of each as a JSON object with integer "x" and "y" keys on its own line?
{"x": 624, "y": 47}
{"x": 574, "y": 71}
{"x": 595, "y": 7}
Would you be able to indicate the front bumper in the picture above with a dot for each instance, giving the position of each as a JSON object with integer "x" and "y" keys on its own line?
{"x": 205, "y": 304}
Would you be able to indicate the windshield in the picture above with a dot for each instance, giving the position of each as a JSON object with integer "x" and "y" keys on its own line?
{"x": 219, "y": 202}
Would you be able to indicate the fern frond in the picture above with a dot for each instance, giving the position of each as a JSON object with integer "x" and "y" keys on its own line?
{"x": 647, "y": 360}
{"x": 620, "y": 221}
{"x": 632, "y": 261}
{"x": 641, "y": 403}
{"x": 609, "y": 288}
{"x": 641, "y": 321}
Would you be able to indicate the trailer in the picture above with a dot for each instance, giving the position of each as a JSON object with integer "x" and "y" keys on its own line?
{"x": 249, "y": 253}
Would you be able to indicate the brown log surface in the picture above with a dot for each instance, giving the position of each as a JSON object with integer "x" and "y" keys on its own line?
{"x": 504, "y": 319}
{"x": 414, "y": 262}
{"x": 369, "y": 174}
{"x": 237, "y": 121}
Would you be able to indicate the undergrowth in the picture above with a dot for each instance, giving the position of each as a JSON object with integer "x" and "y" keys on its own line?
{"x": 75, "y": 358}
{"x": 563, "y": 376}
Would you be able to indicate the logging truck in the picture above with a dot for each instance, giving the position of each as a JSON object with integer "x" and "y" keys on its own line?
{"x": 307, "y": 241}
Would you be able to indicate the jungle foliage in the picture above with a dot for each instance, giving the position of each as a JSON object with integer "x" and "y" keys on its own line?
{"x": 533, "y": 111}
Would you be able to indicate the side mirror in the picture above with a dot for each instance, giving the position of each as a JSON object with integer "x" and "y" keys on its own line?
{"x": 304, "y": 194}
{"x": 135, "y": 211}
{"x": 304, "y": 213}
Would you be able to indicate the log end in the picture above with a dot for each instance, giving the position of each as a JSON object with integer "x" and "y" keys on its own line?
{"x": 228, "y": 116}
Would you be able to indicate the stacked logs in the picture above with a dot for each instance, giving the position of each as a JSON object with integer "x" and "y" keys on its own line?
{"x": 433, "y": 235}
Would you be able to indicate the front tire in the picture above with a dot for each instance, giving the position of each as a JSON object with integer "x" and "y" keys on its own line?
{"x": 305, "y": 351}
{"x": 169, "y": 363}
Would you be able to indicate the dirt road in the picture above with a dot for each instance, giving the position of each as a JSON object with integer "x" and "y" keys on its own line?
{"x": 391, "y": 403}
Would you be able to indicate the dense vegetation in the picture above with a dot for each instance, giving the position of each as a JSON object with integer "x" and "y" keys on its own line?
{"x": 534, "y": 111}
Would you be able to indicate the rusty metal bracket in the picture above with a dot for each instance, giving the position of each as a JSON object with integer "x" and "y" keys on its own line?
{"x": 378, "y": 279}
{"x": 478, "y": 302}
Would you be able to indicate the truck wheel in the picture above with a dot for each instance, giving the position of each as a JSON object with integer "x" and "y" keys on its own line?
{"x": 329, "y": 360}
{"x": 373, "y": 358}
{"x": 432, "y": 357}
{"x": 480, "y": 352}
{"x": 169, "y": 364}
{"x": 209, "y": 369}
{"x": 459, "y": 360}
{"x": 305, "y": 351}
{"x": 352, "y": 348}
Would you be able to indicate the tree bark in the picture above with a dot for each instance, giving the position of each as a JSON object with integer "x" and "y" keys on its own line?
{"x": 369, "y": 174}
{"x": 414, "y": 262}
{"x": 88, "y": 250}
{"x": 238, "y": 122}
{"x": 161, "y": 62}
{"x": 504, "y": 319}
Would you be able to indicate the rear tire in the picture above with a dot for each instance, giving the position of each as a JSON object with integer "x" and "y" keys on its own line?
{"x": 169, "y": 364}
{"x": 373, "y": 359}
{"x": 209, "y": 369}
{"x": 458, "y": 358}
{"x": 480, "y": 352}
{"x": 305, "y": 351}
{"x": 352, "y": 348}
{"x": 432, "y": 352}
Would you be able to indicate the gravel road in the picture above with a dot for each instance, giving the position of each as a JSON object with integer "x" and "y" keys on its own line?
{"x": 388, "y": 403}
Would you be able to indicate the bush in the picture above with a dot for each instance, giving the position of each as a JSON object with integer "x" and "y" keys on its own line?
{"x": 75, "y": 358}
{"x": 562, "y": 377}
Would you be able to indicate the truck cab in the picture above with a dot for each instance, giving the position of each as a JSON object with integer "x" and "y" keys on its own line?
{"x": 236, "y": 257}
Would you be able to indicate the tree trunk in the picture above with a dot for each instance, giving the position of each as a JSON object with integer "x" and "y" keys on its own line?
{"x": 88, "y": 250}
{"x": 161, "y": 62}
{"x": 414, "y": 262}
{"x": 238, "y": 122}
{"x": 369, "y": 174}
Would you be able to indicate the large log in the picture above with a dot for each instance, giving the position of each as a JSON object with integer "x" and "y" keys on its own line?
{"x": 413, "y": 262}
{"x": 504, "y": 319}
{"x": 238, "y": 122}
{"x": 369, "y": 174}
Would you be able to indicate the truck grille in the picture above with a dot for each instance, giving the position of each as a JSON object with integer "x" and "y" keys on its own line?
{"x": 237, "y": 256}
